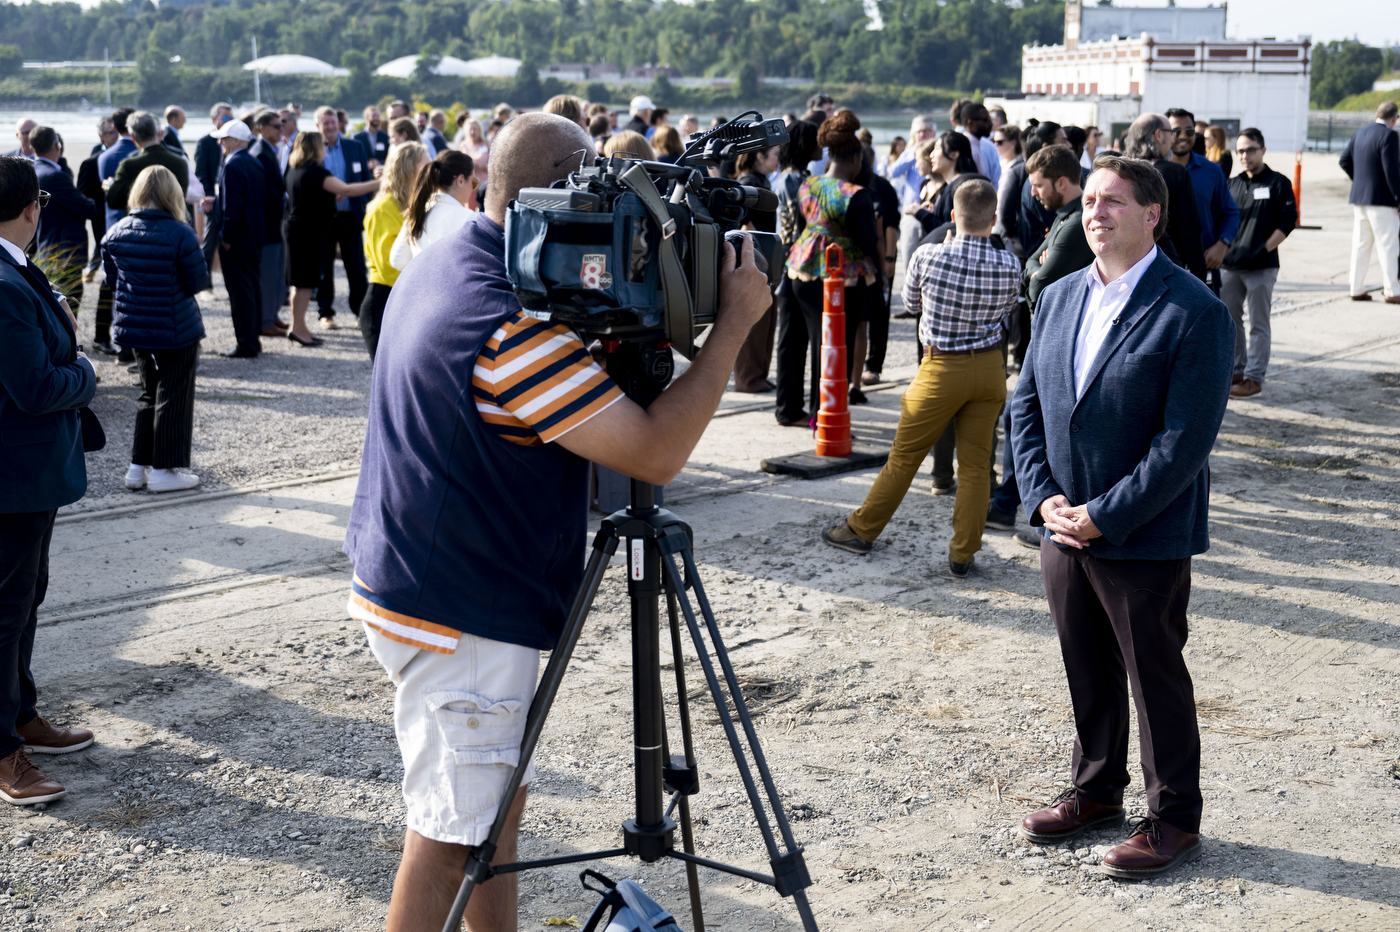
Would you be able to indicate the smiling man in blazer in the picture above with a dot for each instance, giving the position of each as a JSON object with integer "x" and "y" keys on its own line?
{"x": 1113, "y": 420}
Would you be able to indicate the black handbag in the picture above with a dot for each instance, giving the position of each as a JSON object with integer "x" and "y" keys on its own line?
{"x": 94, "y": 437}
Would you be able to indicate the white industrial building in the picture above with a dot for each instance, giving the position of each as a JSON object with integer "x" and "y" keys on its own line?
{"x": 1092, "y": 80}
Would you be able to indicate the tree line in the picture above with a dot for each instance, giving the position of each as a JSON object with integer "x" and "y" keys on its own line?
{"x": 938, "y": 43}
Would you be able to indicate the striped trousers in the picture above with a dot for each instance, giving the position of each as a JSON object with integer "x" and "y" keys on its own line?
{"x": 165, "y": 410}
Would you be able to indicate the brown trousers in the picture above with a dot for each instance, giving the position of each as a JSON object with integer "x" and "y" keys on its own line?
{"x": 1122, "y": 623}
{"x": 751, "y": 366}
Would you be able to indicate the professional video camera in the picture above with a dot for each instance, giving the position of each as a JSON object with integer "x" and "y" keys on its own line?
{"x": 629, "y": 250}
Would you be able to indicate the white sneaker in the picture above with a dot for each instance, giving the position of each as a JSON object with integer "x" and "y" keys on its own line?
{"x": 168, "y": 480}
{"x": 327, "y": 323}
{"x": 135, "y": 477}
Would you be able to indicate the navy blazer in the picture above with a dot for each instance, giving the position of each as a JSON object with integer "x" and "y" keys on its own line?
{"x": 1372, "y": 162}
{"x": 276, "y": 196}
{"x": 63, "y": 223}
{"x": 42, "y": 384}
{"x": 377, "y": 147}
{"x": 355, "y": 154}
{"x": 107, "y": 164}
{"x": 243, "y": 203}
{"x": 1135, "y": 447}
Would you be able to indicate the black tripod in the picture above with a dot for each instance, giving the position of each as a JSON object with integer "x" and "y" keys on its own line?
{"x": 655, "y": 537}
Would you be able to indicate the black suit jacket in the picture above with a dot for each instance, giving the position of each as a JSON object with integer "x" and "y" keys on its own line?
{"x": 276, "y": 199}
{"x": 1183, "y": 219}
{"x": 171, "y": 140}
{"x": 208, "y": 156}
{"x": 1066, "y": 251}
{"x": 133, "y": 165}
{"x": 243, "y": 204}
{"x": 89, "y": 185}
{"x": 375, "y": 143}
{"x": 63, "y": 223}
{"x": 1372, "y": 162}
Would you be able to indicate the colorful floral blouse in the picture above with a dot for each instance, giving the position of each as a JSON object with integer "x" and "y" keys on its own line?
{"x": 826, "y": 202}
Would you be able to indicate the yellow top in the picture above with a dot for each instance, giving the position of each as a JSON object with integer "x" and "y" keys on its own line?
{"x": 382, "y": 225}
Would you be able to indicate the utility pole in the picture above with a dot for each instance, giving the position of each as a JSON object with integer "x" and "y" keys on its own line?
{"x": 107, "y": 65}
{"x": 257, "y": 89}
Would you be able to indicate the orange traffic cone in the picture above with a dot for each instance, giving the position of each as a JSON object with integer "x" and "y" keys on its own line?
{"x": 834, "y": 418}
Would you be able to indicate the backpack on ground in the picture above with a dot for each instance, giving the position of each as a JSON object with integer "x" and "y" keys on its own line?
{"x": 632, "y": 909}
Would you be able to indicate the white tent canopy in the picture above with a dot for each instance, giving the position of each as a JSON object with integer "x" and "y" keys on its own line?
{"x": 492, "y": 67}
{"x": 294, "y": 64}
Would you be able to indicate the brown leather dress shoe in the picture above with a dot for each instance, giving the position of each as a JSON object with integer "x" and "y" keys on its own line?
{"x": 1069, "y": 815}
{"x": 1246, "y": 389}
{"x": 1392, "y": 299}
{"x": 1153, "y": 847}
{"x": 23, "y": 784}
{"x": 44, "y": 737}
{"x": 1361, "y": 297}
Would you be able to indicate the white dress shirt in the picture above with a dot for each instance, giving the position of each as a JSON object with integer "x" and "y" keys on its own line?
{"x": 15, "y": 252}
{"x": 1102, "y": 309}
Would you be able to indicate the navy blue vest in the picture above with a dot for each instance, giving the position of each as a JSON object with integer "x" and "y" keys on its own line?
{"x": 452, "y": 524}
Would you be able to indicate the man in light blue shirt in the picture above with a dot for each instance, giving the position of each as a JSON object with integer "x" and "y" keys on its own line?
{"x": 1220, "y": 216}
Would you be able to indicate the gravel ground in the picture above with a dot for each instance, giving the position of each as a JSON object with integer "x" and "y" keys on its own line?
{"x": 291, "y": 412}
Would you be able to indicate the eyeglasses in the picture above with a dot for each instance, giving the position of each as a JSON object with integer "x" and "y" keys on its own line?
{"x": 1248, "y": 151}
{"x": 43, "y": 199}
{"x": 1000, "y": 141}
{"x": 1184, "y": 131}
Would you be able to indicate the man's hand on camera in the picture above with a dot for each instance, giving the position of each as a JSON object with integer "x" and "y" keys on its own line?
{"x": 743, "y": 289}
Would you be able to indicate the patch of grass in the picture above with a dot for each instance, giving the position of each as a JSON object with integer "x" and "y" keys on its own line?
{"x": 127, "y": 813}
{"x": 1214, "y": 707}
{"x": 384, "y": 842}
{"x": 1311, "y": 461}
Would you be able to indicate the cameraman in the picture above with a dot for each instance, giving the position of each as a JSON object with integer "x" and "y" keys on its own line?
{"x": 468, "y": 528}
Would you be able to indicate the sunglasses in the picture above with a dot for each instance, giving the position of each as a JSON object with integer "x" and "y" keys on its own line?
{"x": 43, "y": 199}
{"x": 1249, "y": 151}
{"x": 1184, "y": 131}
{"x": 1000, "y": 141}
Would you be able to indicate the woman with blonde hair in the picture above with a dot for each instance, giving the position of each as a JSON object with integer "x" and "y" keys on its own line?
{"x": 631, "y": 145}
{"x": 1218, "y": 149}
{"x": 383, "y": 220}
{"x": 155, "y": 268}
{"x": 311, "y": 194}
{"x": 440, "y": 205}
{"x": 475, "y": 145}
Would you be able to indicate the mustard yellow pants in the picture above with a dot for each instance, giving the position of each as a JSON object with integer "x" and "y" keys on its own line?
{"x": 966, "y": 389}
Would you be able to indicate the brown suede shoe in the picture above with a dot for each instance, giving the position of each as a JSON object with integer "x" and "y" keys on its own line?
{"x": 1069, "y": 815}
{"x": 23, "y": 784}
{"x": 1153, "y": 847}
{"x": 1246, "y": 389}
{"x": 43, "y": 737}
{"x": 1361, "y": 297}
{"x": 1392, "y": 299}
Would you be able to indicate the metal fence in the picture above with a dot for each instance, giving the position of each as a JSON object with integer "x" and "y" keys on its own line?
{"x": 1329, "y": 130}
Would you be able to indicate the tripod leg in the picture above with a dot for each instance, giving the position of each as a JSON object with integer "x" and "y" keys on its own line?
{"x": 478, "y": 863}
{"x": 692, "y": 874}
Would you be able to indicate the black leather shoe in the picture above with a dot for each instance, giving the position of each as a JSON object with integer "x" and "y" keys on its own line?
{"x": 105, "y": 348}
{"x": 126, "y": 355}
{"x": 1000, "y": 520}
{"x": 239, "y": 352}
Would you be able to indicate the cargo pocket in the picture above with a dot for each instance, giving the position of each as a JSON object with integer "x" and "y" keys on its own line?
{"x": 479, "y": 741}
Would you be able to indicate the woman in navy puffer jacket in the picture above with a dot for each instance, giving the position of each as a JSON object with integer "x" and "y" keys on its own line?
{"x": 155, "y": 267}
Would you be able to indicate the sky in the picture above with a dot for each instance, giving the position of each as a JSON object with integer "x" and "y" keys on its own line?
{"x": 1375, "y": 22}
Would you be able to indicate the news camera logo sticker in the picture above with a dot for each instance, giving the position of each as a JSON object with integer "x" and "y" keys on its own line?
{"x": 594, "y": 272}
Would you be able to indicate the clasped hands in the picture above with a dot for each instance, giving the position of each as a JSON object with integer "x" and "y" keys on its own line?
{"x": 1068, "y": 524}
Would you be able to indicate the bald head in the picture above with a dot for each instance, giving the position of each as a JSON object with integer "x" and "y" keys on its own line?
{"x": 534, "y": 150}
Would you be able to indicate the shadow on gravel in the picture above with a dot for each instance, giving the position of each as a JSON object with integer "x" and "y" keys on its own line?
{"x": 1335, "y": 876}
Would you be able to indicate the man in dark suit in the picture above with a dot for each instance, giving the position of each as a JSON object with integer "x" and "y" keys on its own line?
{"x": 372, "y": 138}
{"x": 1113, "y": 420}
{"x": 23, "y": 130}
{"x": 62, "y": 237}
{"x": 89, "y": 185}
{"x": 43, "y": 381}
{"x": 350, "y": 163}
{"x": 108, "y": 161}
{"x": 145, "y": 133}
{"x": 208, "y": 156}
{"x": 1149, "y": 137}
{"x": 1053, "y": 173}
{"x": 437, "y": 122}
{"x": 267, "y": 133}
{"x": 1372, "y": 162}
{"x": 243, "y": 206}
{"x": 174, "y": 122}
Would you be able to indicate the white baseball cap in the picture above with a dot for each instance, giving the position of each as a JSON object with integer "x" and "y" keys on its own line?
{"x": 641, "y": 102}
{"x": 236, "y": 129}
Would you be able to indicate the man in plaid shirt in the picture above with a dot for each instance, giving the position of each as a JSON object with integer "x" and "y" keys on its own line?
{"x": 964, "y": 289}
